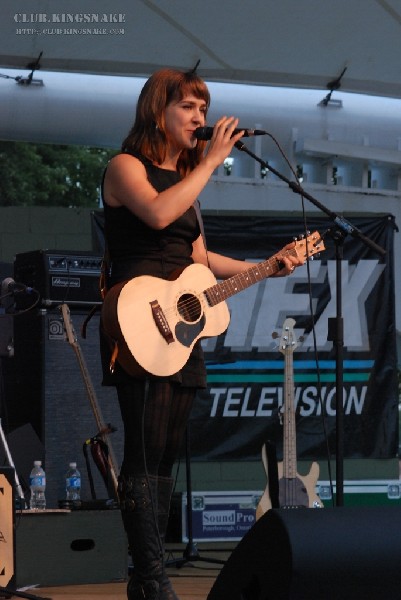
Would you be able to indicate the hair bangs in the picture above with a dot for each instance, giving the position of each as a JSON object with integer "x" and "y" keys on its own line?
{"x": 188, "y": 84}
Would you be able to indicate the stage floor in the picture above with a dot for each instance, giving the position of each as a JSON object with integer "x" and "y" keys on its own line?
{"x": 192, "y": 580}
{"x": 186, "y": 587}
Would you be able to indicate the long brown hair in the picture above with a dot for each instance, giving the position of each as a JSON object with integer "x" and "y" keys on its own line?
{"x": 147, "y": 134}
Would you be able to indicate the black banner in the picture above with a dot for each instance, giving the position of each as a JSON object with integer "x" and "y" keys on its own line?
{"x": 241, "y": 408}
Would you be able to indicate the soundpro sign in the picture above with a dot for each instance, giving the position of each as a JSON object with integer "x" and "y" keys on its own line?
{"x": 220, "y": 516}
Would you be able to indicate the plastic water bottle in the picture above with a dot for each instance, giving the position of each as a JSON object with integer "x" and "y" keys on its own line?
{"x": 37, "y": 483}
{"x": 73, "y": 483}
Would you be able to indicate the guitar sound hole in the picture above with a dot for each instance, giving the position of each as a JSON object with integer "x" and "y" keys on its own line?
{"x": 189, "y": 308}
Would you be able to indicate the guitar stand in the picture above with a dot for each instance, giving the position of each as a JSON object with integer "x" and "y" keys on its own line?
{"x": 191, "y": 552}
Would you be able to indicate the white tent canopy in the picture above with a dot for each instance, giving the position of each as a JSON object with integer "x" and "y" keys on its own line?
{"x": 306, "y": 44}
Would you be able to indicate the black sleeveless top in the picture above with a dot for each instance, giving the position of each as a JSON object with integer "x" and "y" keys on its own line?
{"x": 136, "y": 249}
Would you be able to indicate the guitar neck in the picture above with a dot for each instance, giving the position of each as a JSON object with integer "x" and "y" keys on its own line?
{"x": 72, "y": 338}
{"x": 97, "y": 412}
{"x": 287, "y": 346}
{"x": 289, "y": 434}
{"x": 231, "y": 286}
{"x": 89, "y": 388}
{"x": 302, "y": 249}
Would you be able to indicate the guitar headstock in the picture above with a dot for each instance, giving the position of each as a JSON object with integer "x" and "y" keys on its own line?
{"x": 307, "y": 247}
{"x": 288, "y": 341}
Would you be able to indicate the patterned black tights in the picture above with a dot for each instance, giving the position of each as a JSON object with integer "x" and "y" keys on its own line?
{"x": 158, "y": 412}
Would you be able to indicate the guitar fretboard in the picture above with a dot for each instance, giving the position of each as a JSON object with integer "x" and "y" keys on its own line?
{"x": 289, "y": 434}
{"x": 231, "y": 286}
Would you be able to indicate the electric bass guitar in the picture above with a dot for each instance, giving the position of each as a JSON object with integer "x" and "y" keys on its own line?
{"x": 102, "y": 428}
{"x": 159, "y": 321}
{"x": 294, "y": 490}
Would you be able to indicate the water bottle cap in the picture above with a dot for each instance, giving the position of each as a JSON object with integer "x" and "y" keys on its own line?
{"x": 37, "y": 463}
{"x": 73, "y": 465}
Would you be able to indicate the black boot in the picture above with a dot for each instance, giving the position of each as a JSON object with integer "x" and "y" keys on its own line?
{"x": 138, "y": 502}
{"x": 165, "y": 489}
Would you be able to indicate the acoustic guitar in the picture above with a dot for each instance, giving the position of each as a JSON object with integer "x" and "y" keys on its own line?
{"x": 158, "y": 321}
{"x": 294, "y": 490}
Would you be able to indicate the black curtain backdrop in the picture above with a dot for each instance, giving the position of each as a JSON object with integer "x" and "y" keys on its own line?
{"x": 240, "y": 409}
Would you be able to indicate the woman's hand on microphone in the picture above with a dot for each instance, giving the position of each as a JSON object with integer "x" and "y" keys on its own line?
{"x": 222, "y": 140}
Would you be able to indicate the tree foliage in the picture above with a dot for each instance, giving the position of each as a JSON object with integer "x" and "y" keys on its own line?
{"x": 50, "y": 175}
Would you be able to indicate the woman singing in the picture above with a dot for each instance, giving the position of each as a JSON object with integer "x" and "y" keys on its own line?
{"x": 151, "y": 228}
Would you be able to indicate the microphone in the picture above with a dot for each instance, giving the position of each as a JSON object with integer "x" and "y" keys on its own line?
{"x": 10, "y": 287}
{"x": 205, "y": 133}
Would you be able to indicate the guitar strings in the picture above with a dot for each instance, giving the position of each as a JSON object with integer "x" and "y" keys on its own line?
{"x": 193, "y": 308}
{"x": 290, "y": 478}
{"x": 190, "y": 307}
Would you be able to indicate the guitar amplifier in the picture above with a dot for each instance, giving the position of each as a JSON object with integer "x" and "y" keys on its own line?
{"x": 58, "y": 276}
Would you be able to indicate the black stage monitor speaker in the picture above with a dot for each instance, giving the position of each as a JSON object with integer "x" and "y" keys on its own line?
{"x": 80, "y": 547}
{"x": 343, "y": 553}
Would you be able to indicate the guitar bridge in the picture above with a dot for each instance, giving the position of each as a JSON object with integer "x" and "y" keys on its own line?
{"x": 161, "y": 321}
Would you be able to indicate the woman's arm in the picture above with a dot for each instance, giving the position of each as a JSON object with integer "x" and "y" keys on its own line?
{"x": 223, "y": 266}
{"x": 126, "y": 183}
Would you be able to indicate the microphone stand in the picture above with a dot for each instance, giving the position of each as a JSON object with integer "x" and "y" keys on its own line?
{"x": 12, "y": 465}
{"x": 335, "y": 326}
{"x": 191, "y": 552}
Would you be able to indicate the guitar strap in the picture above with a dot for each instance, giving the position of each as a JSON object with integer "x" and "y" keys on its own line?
{"x": 196, "y": 206}
{"x": 106, "y": 257}
{"x": 105, "y": 266}
{"x": 104, "y": 270}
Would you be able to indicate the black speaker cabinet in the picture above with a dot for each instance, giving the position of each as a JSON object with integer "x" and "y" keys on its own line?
{"x": 343, "y": 553}
{"x": 71, "y": 548}
{"x": 51, "y": 392}
{"x": 7, "y": 531}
